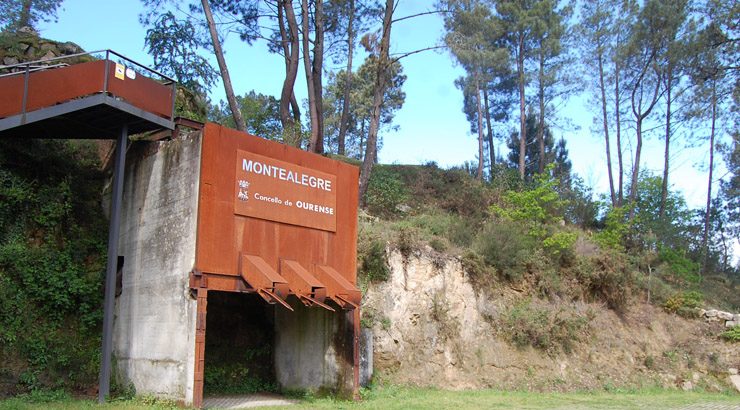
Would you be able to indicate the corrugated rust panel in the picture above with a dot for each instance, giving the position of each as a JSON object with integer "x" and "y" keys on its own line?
{"x": 12, "y": 89}
{"x": 142, "y": 92}
{"x": 223, "y": 234}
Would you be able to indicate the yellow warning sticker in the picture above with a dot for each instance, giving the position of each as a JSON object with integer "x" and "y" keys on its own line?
{"x": 120, "y": 70}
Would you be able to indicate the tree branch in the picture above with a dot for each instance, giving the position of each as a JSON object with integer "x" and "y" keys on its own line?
{"x": 420, "y": 14}
{"x": 402, "y": 55}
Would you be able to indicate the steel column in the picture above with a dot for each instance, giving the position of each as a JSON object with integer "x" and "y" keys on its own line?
{"x": 200, "y": 347}
{"x": 110, "y": 273}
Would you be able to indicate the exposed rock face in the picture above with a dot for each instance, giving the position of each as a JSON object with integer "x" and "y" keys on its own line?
{"x": 432, "y": 327}
{"x": 24, "y": 46}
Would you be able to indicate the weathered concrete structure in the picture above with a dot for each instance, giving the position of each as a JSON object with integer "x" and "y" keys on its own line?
{"x": 185, "y": 230}
{"x": 154, "y": 334}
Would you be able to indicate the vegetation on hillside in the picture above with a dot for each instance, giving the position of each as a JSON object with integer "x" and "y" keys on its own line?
{"x": 53, "y": 238}
{"x": 537, "y": 235}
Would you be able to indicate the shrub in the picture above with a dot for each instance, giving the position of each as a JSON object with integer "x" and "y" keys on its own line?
{"x": 607, "y": 277}
{"x": 456, "y": 229}
{"x": 732, "y": 335}
{"x": 375, "y": 263}
{"x": 535, "y": 207}
{"x": 480, "y": 274}
{"x": 615, "y": 229}
{"x": 679, "y": 266}
{"x": 684, "y": 303}
{"x": 544, "y": 327}
{"x": 505, "y": 245}
{"x": 385, "y": 192}
{"x": 560, "y": 246}
{"x": 52, "y": 258}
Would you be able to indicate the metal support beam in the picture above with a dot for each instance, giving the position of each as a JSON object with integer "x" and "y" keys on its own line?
{"x": 110, "y": 273}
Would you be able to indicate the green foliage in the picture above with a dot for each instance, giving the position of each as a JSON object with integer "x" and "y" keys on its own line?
{"x": 190, "y": 104}
{"x": 536, "y": 206}
{"x": 684, "y": 303}
{"x": 673, "y": 229}
{"x": 261, "y": 115}
{"x": 560, "y": 244}
{"x": 14, "y": 15}
{"x": 506, "y": 246}
{"x": 235, "y": 378}
{"x": 544, "y": 327}
{"x": 173, "y": 43}
{"x": 375, "y": 263}
{"x": 385, "y": 192}
{"x": 679, "y": 266}
{"x": 361, "y": 105}
{"x": 732, "y": 335}
{"x": 615, "y": 229}
{"x": 52, "y": 258}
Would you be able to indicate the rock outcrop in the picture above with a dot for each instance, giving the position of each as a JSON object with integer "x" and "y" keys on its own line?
{"x": 432, "y": 327}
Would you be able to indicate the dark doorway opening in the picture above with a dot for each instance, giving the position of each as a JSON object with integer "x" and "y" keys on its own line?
{"x": 239, "y": 356}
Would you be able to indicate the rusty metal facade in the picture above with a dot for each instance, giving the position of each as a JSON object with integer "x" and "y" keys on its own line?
{"x": 239, "y": 253}
{"x": 315, "y": 262}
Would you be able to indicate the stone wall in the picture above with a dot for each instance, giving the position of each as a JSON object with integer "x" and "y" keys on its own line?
{"x": 154, "y": 327}
{"x": 714, "y": 315}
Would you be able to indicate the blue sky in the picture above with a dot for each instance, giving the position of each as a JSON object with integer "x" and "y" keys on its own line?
{"x": 431, "y": 124}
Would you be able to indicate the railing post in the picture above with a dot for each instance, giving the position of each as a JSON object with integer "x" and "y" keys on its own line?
{"x": 107, "y": 70}
{"x": 26, "y": 78}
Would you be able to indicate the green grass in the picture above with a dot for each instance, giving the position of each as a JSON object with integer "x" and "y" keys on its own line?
{"x": 393, "y": 397}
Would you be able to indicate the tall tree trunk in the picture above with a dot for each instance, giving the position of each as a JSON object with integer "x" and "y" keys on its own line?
{"x": 664, "y": 188}
{"x": 541, "y": 97}
{"x": 707, "y": 212}
{"x": 479, "y": 173}
{"x": 308, "y": 68}
{"x": 378, "y": 93}
{"x": 522, "y": 108}
{"x": 291, "y": 51}
{"x": 635, "y": 169}
{"x": 602, "y": 88}
{"x": 491, "y": 149}
{"x": 24, "y": 19}
{"x": 618, "y": 125}
{"x": 640, "y": 116}
{"x": 285, "y": 42}
{"x": 236, "y": 111}
{"x": 344, "y": 119}
{"x": 317, "y": 69}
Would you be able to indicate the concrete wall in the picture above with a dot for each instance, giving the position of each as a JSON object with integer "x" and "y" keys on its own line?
{"x": 313, "y": 349}
{"x": 154, "y": 328}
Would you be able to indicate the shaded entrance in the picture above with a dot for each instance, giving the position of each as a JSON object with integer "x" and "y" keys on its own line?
{"x": 240, "y": 351}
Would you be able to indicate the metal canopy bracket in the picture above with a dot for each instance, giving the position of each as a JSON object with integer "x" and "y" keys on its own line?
{"x": 303, "y": 284}
{"x": 339, "y": 289}
{"x": 258, "y": 274}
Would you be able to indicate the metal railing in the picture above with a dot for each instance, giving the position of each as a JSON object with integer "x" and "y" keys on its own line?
{"x": 26, "y": 68}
